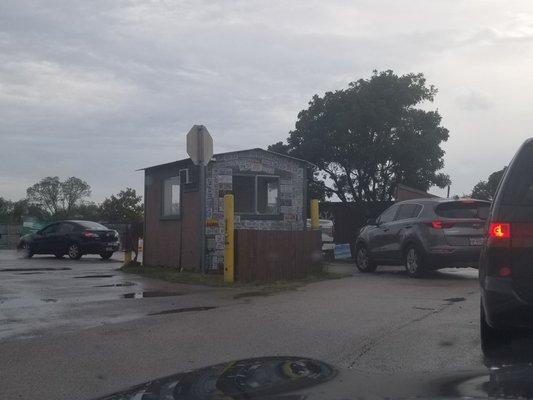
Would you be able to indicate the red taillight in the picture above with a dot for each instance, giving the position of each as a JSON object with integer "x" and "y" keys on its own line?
{"x": 89, "y": 234}
{"x": 441, "y": 224}
{"x": 505, "y": 272}
{"x": 499, "y": 230}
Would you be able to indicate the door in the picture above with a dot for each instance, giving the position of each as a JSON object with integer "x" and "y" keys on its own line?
{"x": 379, "y": 235}
{"x": 61, "y": 238}
{"x": 43, "y": 241}
{"x": 398, "y": 229}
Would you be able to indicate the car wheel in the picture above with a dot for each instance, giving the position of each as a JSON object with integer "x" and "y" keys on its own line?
{"x": 24, "y": 251}
{"x": 73, "y": 251}
{"x": 107, "y": 255}
{"x": 414, "y": 262}
{"x": 363, "y": 261}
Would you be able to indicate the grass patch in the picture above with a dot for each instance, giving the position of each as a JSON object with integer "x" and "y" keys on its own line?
{"x": 217, "y": 280}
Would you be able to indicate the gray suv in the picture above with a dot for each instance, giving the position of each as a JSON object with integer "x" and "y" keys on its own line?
{"x": 424, "y": 234}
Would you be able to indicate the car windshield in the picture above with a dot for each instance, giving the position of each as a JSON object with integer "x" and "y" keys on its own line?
{"x": 266, "y": 199}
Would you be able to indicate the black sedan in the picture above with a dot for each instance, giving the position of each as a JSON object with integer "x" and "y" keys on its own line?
{"x": 74, "y": 238}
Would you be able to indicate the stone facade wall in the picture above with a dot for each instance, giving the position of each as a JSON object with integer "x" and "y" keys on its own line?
{"x": 219, "y": 181}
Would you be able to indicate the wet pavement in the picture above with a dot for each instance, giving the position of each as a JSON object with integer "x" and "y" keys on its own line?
{"x": 43, "y": 293}
{"x": 81, "y": 338}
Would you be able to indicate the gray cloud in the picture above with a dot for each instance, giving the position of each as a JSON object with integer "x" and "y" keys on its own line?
{"x": 98, "y": 89}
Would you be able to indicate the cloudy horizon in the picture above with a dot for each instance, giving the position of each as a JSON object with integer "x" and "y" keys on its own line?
{"x": 98, "y": 91}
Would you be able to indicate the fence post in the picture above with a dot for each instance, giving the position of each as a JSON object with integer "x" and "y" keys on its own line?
{"x": 229, "y": 256}
{"x": 315, "y": 223}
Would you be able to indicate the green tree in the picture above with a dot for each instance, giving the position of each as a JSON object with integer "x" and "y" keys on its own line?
{"x": 73, "y": 191}
{"x": 89, "y": 211}
{"x": 47, "y": 194}
{"x": 126, "y": 206}
{"x": 371, "y": 136}
{"x": 485, "y": 190}
{"x": 57, "y": 199}
{"x": 6, "y": 210}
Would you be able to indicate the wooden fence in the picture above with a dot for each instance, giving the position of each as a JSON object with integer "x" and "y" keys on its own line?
{"x": 267, "y": 256}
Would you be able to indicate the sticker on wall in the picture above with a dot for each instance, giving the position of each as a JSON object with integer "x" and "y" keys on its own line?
{"x": 285, "y": 188}
{"x": 225, "y": 186}
{"x": 285, "y": 202}
{"x": 211, "y": 222}
{"x": 290, "y": 217}
{"x": 268, "y": 162}
{"x": 268, "y": 170}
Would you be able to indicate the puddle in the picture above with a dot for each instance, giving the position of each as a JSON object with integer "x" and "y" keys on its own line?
{"x": 34, "y": 269}
{"x": 95, "y": 276}
{"x": 455, "y": 299}
{"x": 263, "y": 377}
{"x": 146, "y": 294}
{"x": 181, "y": 310}
{"x": 251, "y": 294}
{"x": 424, "y": 308}
{"x": 49, "y": 300}
{"x": 122, "y": 284}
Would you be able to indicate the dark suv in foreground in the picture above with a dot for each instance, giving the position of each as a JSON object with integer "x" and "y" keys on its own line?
{"x": 506, "y": 264}
{"x": 424, "y": 234}
{"x": 74, "y": 238}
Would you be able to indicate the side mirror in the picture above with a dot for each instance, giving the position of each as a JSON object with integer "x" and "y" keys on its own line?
{"x": 371, "y": 221}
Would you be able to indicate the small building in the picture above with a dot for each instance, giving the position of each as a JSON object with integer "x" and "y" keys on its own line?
{"x": 270, "y": 191}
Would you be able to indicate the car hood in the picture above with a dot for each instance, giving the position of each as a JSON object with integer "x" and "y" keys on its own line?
{"x": 299, "y": 378}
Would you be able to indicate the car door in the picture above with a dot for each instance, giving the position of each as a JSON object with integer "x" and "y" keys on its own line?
{"x": 379, "y": 235}
{"x": 397, "y": 229}
{"x": 43, "y": 241}
{"x": 62, "y": 237}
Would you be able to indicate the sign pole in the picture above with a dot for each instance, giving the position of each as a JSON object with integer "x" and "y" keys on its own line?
{"x": 202, "y": 200}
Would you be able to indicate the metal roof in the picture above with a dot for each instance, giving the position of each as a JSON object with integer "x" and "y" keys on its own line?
{"x": 232, "y": 152}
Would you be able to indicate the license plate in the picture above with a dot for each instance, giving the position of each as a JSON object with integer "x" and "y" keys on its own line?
{"x": 476, "y": 241}
{"x": 109, "y": 249}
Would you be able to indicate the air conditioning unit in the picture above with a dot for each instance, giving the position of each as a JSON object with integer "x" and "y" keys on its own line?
{"x": 184, "y": 176}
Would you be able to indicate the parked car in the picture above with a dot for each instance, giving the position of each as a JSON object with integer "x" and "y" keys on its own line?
{"x": 423, "y": 234}
{"x": 506, "y": 264}
{"x": 74, "y": 238}
{"x": 328, "y": 245}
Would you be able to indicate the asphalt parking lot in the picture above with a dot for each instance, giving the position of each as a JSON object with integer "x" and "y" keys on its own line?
{"x": 82, "y": 329}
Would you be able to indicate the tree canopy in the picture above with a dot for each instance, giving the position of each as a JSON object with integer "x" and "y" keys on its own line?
{"x": 125, "y": 206}
{"x": 485, "y": 190}
{"x": 57, "y": 198}
{"x": 369, "y": 137}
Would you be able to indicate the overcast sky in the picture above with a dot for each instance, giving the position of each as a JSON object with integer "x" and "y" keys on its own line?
{"x": 97, "y": 89}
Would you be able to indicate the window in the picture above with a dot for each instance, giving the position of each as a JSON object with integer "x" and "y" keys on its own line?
{"x": 388, "y": 215}
{"x": 50, "y": 229}
{"x": 267, "y": 195}
{"x": 408, "y": 211}
{"x": 460, "y": 209}
{"x": 91, "y": 225}
{"x": 256, "y": 194}
{"x": 171, "y": 197}
{"x": 65, "y": 228}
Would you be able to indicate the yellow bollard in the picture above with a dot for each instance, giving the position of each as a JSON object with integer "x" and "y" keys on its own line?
{"x": 315, "y": 222}
{"x": 229, "y": 256}
{"x": 127, "y": 257}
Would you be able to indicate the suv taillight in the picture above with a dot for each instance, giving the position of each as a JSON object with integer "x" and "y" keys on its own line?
{"x": 500, "y": 230}
{"x": 440, "y": 224}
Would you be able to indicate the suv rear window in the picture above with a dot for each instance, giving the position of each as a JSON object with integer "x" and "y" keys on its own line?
{"x": 462, "y": 209}
{"x": 518, "y": 188}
